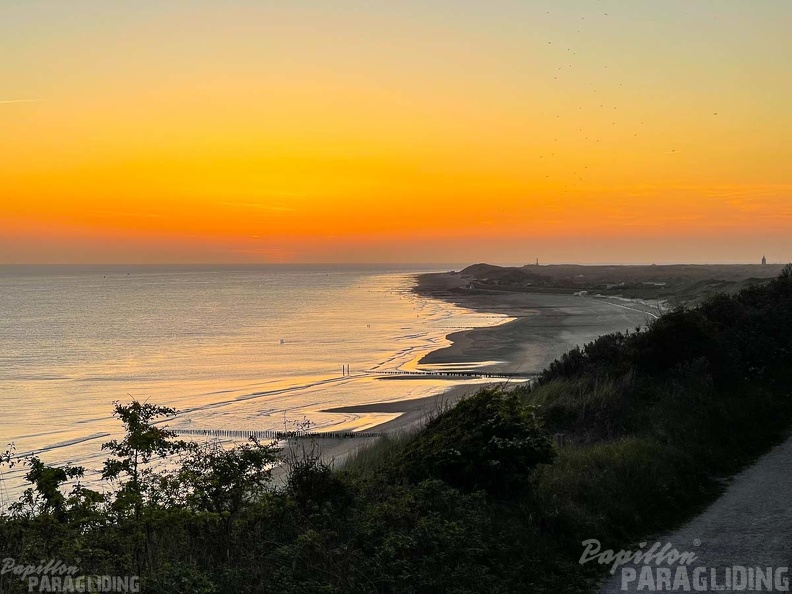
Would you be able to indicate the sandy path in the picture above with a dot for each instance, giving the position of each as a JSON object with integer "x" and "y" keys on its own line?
{"x": 750, "y": 525}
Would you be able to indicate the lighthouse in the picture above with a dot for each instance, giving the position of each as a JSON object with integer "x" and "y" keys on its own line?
{"x": 764, "y": 261}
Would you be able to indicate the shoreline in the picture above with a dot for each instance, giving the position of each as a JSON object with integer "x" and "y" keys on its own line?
{"x": 412, "y": 414}
{"x": 543, "y": 326}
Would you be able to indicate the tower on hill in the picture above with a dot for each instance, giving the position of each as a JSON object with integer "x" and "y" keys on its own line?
{"x": 764, "y": 261}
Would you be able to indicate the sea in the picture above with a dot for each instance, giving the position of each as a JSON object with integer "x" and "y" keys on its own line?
{"x": 249, "y": 348}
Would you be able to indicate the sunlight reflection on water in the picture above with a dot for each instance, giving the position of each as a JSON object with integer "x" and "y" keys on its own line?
{"x": 233, "y": 349}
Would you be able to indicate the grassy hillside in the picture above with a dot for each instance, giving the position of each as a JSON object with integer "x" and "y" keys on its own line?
{"x": 627, "y": 436}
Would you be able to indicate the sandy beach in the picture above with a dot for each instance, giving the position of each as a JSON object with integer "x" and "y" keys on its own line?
{"x": 411, "y": 415}
{"x": 543, "y": 327}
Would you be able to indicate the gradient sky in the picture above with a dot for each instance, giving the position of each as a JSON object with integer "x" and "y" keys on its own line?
{"x": 432, "y": 131}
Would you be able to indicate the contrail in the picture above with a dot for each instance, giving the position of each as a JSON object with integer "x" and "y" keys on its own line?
{"x": 19, "y": 101}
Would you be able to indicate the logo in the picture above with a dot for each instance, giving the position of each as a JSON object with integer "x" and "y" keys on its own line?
{"x": 56, "y": 576}
{"x": 663, "y": 568}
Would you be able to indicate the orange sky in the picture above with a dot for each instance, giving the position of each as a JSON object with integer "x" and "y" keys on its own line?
{"x": 584, "y": 131}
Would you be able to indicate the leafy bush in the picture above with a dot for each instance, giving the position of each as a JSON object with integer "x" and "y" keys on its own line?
{"x": 490, "y": 441}
{"x": 480, "y": 500}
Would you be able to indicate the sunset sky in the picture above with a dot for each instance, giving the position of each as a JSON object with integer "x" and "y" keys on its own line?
{"x": 431, "y": 131}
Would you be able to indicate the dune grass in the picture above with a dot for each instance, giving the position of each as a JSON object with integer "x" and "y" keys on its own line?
{"x": 371, "y": 458}
{"x": 628, "y": 436}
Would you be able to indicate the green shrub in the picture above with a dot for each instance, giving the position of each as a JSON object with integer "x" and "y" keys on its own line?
{"x": 490, "y": 441}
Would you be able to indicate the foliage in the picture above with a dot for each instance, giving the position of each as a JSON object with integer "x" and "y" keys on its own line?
{"x": 46, "y": 497}
{"x": 132, "y": 456}
{"x": 221, "y": 480}
{"x": 488, "y": 442}
{"x": 645, "y": 425}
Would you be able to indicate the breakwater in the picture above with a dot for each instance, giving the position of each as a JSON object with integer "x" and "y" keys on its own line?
{"x": 276, "y": 435}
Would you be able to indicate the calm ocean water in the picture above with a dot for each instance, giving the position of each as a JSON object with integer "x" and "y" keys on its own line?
{"x": 231, "y": 347}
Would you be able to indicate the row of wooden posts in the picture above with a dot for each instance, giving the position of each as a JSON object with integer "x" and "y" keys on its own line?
{"x": 243, "y": 434}
{"x": 482, "y": 374}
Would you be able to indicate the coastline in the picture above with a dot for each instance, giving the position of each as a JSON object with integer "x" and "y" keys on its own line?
{"x": 412, "y": 414}
{"x": 543, "y": 326}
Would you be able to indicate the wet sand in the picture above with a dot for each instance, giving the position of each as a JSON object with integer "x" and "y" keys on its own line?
{"x": 544, "y": 326}
{"x": 411, "y": 412}
{"x": 412, "y": 415}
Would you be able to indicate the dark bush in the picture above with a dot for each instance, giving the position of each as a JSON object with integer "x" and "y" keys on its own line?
{"x": 490, "y": 442}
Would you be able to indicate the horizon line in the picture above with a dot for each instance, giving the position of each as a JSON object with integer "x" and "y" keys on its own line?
{"x": 452, "y": 264}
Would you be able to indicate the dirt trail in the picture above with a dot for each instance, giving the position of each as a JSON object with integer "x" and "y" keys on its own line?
{"x": 750, "y": 525}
